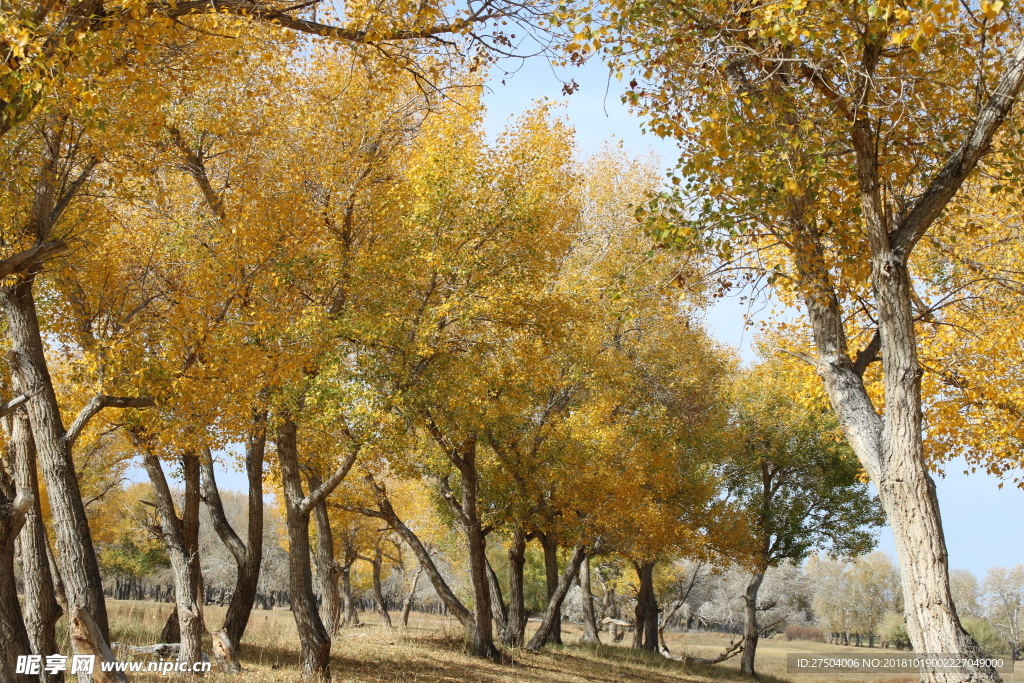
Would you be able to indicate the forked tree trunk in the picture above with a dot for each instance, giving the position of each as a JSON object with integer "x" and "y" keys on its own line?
{"x": 589, "y": 617}
{"x": 751, "y": 631}
{"x": 315, "y": 642}
{"x": 351, "y": 614}
{"x": 515, "y": 621}
{"x": 82, "y": 579}
{"x": 550, "y": 545}
{"x": 552, "y": 615}
{"x": 248, "y": 556}
{"x": 645, "y": 634}
{"x": 407, "y": 605}
{"x": 180, "y": 537}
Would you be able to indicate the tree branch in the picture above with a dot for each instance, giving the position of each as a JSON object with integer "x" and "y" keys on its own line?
{"x": 310, "y": 501}
{"x": 29, "y": 257}
{"x": 94, "y": 406}
{"x": 211, "y": 495}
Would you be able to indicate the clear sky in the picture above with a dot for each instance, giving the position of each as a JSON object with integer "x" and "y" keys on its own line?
{"x": 981, "y": 521}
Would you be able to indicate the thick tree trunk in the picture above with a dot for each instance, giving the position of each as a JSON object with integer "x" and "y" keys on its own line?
{"x": 82, "y": 579}
{"x": 515, "y": 621}
{"x": 41, "y": 609}
{"x": 751, "y": 631}
{"x": 378, "y": 593}
{"x": 14, "y": 641}
{"x": 248, "y": 556}
{"x": 550, "y": 545}
{"x": 314, "y": 641}
{"x": 553, "y": 614}
{"x": 645, "y": 634}
{"x": 180, "y": 537}
{"x": 407, "y": 605}
{"x": 589, "y": 617}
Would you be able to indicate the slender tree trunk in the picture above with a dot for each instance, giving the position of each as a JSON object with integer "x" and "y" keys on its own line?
{"x": 552, "y": 615}
{"x": 498, "y": 610}
{"x": 180, "y": 537}
{"x": 550, "y": 545}
{"x": 248, "y": 556}
{"x": 589, "y": 618}
{"x": 14, "y": 641}
{"x": 351, "y": 614}
{"x": 378, "y": 593}
{"x": 645, "y": 635}
{"x": 327, "y": 568}
{"x": 751, "y": 631}
{"x": 83, "y": 582}
{"x": 407, "y": 605}
{"x": 515, "y": 622}
{"x": 314, "y": 641}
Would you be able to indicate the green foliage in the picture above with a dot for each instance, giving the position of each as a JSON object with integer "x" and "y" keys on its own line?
{"x": 986, "y": 635}
{"x": 130, "y": 558}
{"x": 893, "y": 631}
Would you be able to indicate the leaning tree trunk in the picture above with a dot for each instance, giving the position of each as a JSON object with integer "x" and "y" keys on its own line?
{"x": 645, "y": 634}
{"x": 248, "y": 556}
{"x": 82, "y": 579}
{"x": 552, "y": 616}
{"x": 589, "y": 618}
{"x": 180, "y": 537}
{"x": 515, "y": 621}
{"x": 550, "y": 545}
{"x": 751, "y": 631}
{"x": 498, "y": 610}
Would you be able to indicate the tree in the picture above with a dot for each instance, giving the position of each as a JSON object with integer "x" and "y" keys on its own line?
{"x": 797, "y": 481}
{"x": 824, "y": 142}
{"x": 1004, "y": 603}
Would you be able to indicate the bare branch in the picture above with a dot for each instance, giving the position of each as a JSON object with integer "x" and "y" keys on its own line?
{"x": 94, "y": 406}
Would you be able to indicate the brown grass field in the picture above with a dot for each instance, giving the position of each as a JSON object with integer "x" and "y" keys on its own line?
{"x": 432, "y": 650}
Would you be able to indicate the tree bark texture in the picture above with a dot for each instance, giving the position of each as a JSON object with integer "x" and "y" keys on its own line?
{"x": 248, "y": 556}
{"x": 376, "y": 564}
{"x": 82, "y": 580}
{"x": 589, "y": 617}
{"x": 13, "y": 636}
{"x": 407, "y": 605}
{"x": 328, "y": 571}
{"x": 751, "y": 631}
{"x": 645, "y": 634}
{"x": 550, "y": 545}
{"x": 315, "y": 642}
{"x": 181, "y": 539}
{"x": 515, "y": 621}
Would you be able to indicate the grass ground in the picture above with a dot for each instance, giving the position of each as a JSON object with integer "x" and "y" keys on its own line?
{"x": 432, "y": 650}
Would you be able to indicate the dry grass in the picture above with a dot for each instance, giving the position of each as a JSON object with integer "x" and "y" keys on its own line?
{"x": 432, "y": 650}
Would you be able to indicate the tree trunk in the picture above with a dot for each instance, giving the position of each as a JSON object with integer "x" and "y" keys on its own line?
{"x": 751, "y": 631}
{"x": 554, "y": 611}
{"x": 515, "y": 622}
{"x": 589, "y": 618}
{"x": 327, "y": 568}
{"x": 248, "y": 556}
{"x": 41, "y": 609}
{"x": 498, "y": 610}
{"x": 314, "y": 641}
{"x": 14, "y": 641}
{"x": 378, "y": 593}
{"x": 407, "y": 605}
{"x": 550, "y": 545}
{"x": 645, "y": 634}
{"x": 82, "y": 579}
{"x": 351, "y": 614}
{"x": 180, "y": 537}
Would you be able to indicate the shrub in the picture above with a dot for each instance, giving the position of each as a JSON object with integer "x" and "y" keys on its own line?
{"x": 804, "y": 633}
{"x": 893, "y": 631}
{"x": 985, "y": 634}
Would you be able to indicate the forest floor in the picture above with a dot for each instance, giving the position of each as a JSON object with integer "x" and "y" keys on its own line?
{"x": 431, "y": 650}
